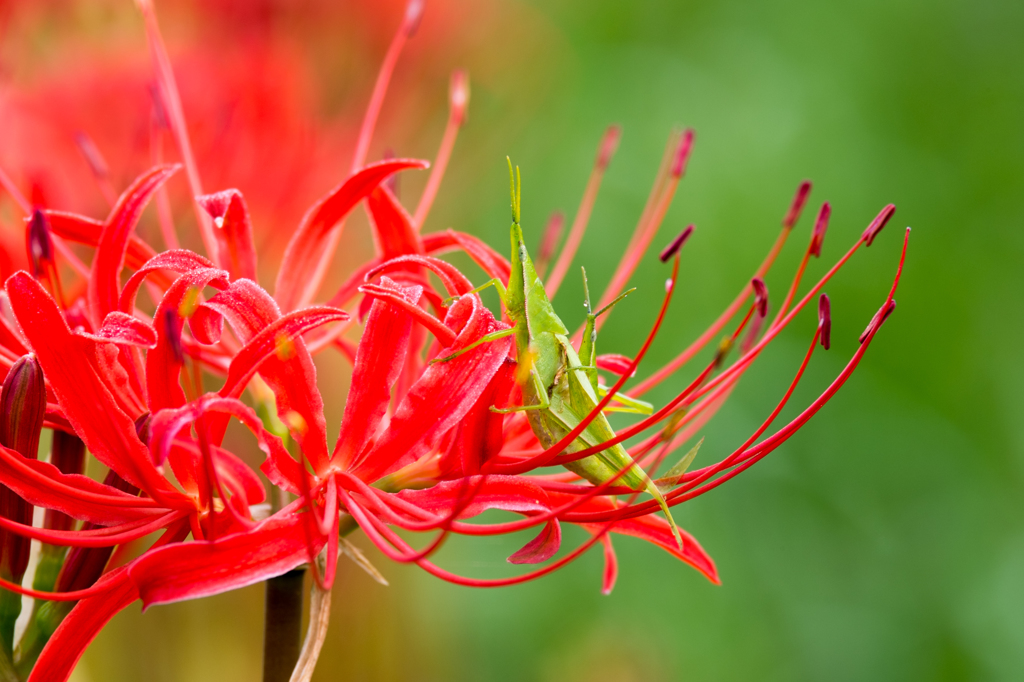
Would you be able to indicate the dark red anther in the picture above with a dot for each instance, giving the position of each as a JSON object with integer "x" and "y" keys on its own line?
{"x": 67, "y": 454}
{"x": 825, "y": 320}
{"x": 609, "y": 144}
{"x": 23, "y": 406}
{"x": 820, "y": 227}
{"x": 172, "y": 333}
{"x": 877, "y": 224}
{"x": 683, "y": 153}
{"x": 797, "y": 207}
{"x": 22, "y": 409}
{"x": 760, "y": 296}
{"x": 676, "y": 244}
{"x": 413, "y": 16}
{"x": 878, "y": 320}
{"x": 40, "y": 244}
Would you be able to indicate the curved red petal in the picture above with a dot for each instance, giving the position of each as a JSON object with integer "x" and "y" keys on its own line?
{"x": 297, "y": 278}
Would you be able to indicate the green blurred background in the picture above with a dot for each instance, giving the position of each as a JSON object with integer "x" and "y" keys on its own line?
{"x": 884, "y": 541}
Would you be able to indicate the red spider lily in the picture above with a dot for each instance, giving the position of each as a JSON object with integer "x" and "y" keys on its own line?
{"x": 419, "y": 448}
{"x": 256, "y": 118}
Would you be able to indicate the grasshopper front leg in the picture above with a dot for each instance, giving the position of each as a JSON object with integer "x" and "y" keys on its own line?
{"x": 493, "y": 282}
{"x": 486, "y": 338}
{"x": 543, "y": 403}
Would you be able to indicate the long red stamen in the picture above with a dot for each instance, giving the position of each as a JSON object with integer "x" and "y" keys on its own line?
{"x": 645, "y": 232}
{"x": 383, "y": 538}
{"x": 609, "y": 143}
{"x": 98, "y": 166}
{"x": 711, "y": 332}
{"x": 754, "y": 454}
{"x": 458, "y": 100}
{"x": 171, "y": 100}
{"x": 410, "y": 22}
{"x": 549, "y": 242}
{"x": 158, "y": 124}
{"x": 729, "y": 375}
{"x": 686, "y": 396}
{"x": 97, "y": 537}
{"x": 12, "y": 189}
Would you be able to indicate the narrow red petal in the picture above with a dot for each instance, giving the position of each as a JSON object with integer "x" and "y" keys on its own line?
{"x": 379, "y": 360}
{"x": 393, "y": 228}
{"x": 249, "y": 309}
{"x": 204, "y": 568}
{"x": 443, "y": 395}
{"x": 507, "y": 493}
{"x": 105, "y": 277}
{"x": 82, "y": 230}
{"x": 108, "y": 432}
{"x": 276, "y": 340}
{"x": 236, "y": 251}
{"x": 542, "y": 547}
{"x": 611, "y": 566}
{"x": 297, "y": 279}
{"x": 616, "y": 364}
{"x": 124, "y": 329}
{"x": 164, "y": 361}
{"x": 455, "y": 283}
{"x": 492, "y": 262}
{"x": 80, "y": 497}
{"x": 180, "y": 261}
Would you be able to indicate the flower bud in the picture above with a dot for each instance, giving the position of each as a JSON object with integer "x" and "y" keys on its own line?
{"x": 40, "y": 244}
{"x": 22, "y": 408}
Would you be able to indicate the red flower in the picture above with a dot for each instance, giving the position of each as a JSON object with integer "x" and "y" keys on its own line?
{"x": 420, "y": 447}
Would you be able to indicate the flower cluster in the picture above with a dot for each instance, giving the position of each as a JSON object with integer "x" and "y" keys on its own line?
{"x": 444, "y": 419}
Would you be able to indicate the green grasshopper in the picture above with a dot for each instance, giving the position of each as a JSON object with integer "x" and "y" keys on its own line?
{"x": 558, "y": 382}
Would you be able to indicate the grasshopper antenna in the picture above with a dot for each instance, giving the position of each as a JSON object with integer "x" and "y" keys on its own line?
{"x": 515, "y": 184}
{"x": 586, "y": 292}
